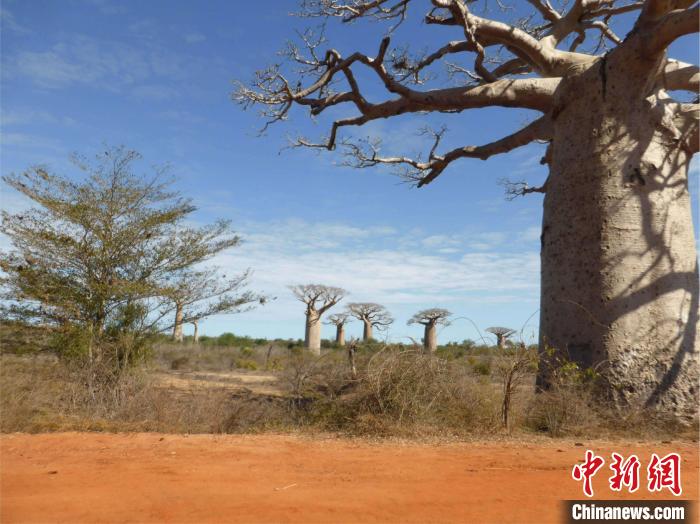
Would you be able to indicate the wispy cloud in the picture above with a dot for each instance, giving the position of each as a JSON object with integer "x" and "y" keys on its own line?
{"x": 107, "y": 7}
{"x": 193, "y": 38}
{"x": 374, "y": 264}
{"x": 24, "y": 117}
{"x": 113, "y": 66}
{"x": 8, "y": 22}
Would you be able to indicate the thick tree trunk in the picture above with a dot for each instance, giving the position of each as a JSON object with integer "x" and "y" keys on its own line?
{"x": 619, "y": 268}
{"x": 430, "y": 338}
{"x": 367, "y": 331}
{"x": 501, "y": 342}
{"x": 312, "y": 339}
{"x": 195, "y": 336}
{"x": 177, "y": 328}
{"x": 340, "y": 335}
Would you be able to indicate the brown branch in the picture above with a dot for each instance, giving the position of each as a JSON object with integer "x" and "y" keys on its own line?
{"x": 671, "y": 27}
{"x": 681, "y": 76}
{"x": 424, "y": 172}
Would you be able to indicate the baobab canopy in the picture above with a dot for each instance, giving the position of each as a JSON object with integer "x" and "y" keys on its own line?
{"x": 619, "y": 275}
{"x": 430, "y": 318}
{"x": 372, "y": 315}
{"x": 318, "y": 299}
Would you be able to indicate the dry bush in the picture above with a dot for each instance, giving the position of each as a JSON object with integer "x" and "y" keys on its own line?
{"x": 43, "y": 394}
{"x": 193, "y": 357}
{"x": 403, "y": 391}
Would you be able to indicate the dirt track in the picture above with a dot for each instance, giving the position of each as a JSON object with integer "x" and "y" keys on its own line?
{"x": 81, "y": 477}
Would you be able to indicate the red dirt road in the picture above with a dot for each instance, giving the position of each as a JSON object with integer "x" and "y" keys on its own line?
{"x": 84, "y": 477}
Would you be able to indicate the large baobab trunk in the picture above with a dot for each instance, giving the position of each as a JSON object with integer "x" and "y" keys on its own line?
{"x": 177, "y": 328}
{"x": 430, "y": 338}
{"x": 313, "y": 332}
{"x": 619, "y": 269}
{"x": 340, "y": 335}
{"x": 367, "y": 331}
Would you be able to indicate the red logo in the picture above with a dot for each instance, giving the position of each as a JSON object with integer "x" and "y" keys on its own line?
{"x": 662, "y": 473}
{"x": 587, "y": 471}
{"x": 625, "y": 473}
{"x": 665, "y": 473}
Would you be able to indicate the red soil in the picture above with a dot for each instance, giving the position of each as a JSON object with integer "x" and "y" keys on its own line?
{"x": 84, "y": 477}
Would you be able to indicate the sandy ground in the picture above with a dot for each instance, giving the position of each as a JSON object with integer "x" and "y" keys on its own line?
{"x": 83, "y": 477}
{"x": 255, "y": 382}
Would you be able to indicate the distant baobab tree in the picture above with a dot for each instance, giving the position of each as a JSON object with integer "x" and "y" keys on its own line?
{"x": 339, "y": 320}
{"x": 198, "y": 294}
{"x": 318, "y": 299}
{"x": 195, "y": 333}
{"x": 501, "y": 334}
{"x": 431, "y": 318}
{"x": 372, "y": 315}
{"x": 619, "y": 268}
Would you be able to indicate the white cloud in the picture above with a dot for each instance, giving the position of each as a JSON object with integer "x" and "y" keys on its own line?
{"x": 9, "y": 22}
{"x": 374, "y": 264}
{"x": 33, "y": 116}
{"x": 114, "y": 66}
{"x": 193, "y": 38}
{"x": 106, "y": 7}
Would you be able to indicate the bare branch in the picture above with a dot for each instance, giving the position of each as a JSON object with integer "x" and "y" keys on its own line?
{"x": 520, "y": 188}
{"x": 352, "y": 10}
{"x": 374, "y": 314}
{"x": 424, "y": 172}
{"x": 679, "y": 75}
{"x": 317, "y": 297}
{"x": 432, "y": 316}
{"x": 672, "y": 26}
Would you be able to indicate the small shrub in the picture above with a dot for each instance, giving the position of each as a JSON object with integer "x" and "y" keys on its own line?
{"x": 179, "y": 363}
{"x": 245, "y": 363}
{"x": 482, "y": 367}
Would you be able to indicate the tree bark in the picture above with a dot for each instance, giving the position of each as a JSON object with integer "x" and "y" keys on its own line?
{"x": 313, "y": 332}
{"x": 430, "y": 338}
{"x": 501, "y": 341}
{"x": 340, "y": 335}
{"x": 619, "y": 265}
{"x": 195, "y": 336}
{"x": 177, "y": 328}
{"x": 367, "y": 331}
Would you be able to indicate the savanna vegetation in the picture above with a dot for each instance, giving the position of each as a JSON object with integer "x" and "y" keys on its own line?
{"x": 105, "y": 271}
{"x": 230, "y": 384}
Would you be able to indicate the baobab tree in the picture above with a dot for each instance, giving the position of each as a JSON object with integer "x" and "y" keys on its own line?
{"x": 318, "y": 299}
{"x": 501, "y": 334}
{"x": 430, "y": 319}
{"x": 619, "y": 275}
{"x": 198, "y": 294}
{"x": 372, "y": 315}
{"x": 339, "y": 320}
{"x": 195, "y": 332}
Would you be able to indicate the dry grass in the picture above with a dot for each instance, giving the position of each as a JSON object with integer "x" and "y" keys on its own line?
{"x": 398, "y": 392}
{"x": 41, "y": 394}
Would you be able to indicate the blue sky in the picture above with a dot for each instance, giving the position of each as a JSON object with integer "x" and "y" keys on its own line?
{"x": 157, "y": 76}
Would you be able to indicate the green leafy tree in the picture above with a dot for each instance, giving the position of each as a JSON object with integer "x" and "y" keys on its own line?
{"x": 98, "y": 256}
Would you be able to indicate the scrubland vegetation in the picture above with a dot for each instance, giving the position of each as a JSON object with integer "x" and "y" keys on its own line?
{"x": 460, "y": 392}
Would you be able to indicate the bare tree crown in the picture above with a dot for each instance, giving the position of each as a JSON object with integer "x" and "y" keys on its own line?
{"x": 339, "y": 319}
{"x": 518, "y": 64}
{"x": 500, "y": 331}
{"x": 431, "y": 316}
{"x": 375, "y": 314}
{"x": 318, "y": 297}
